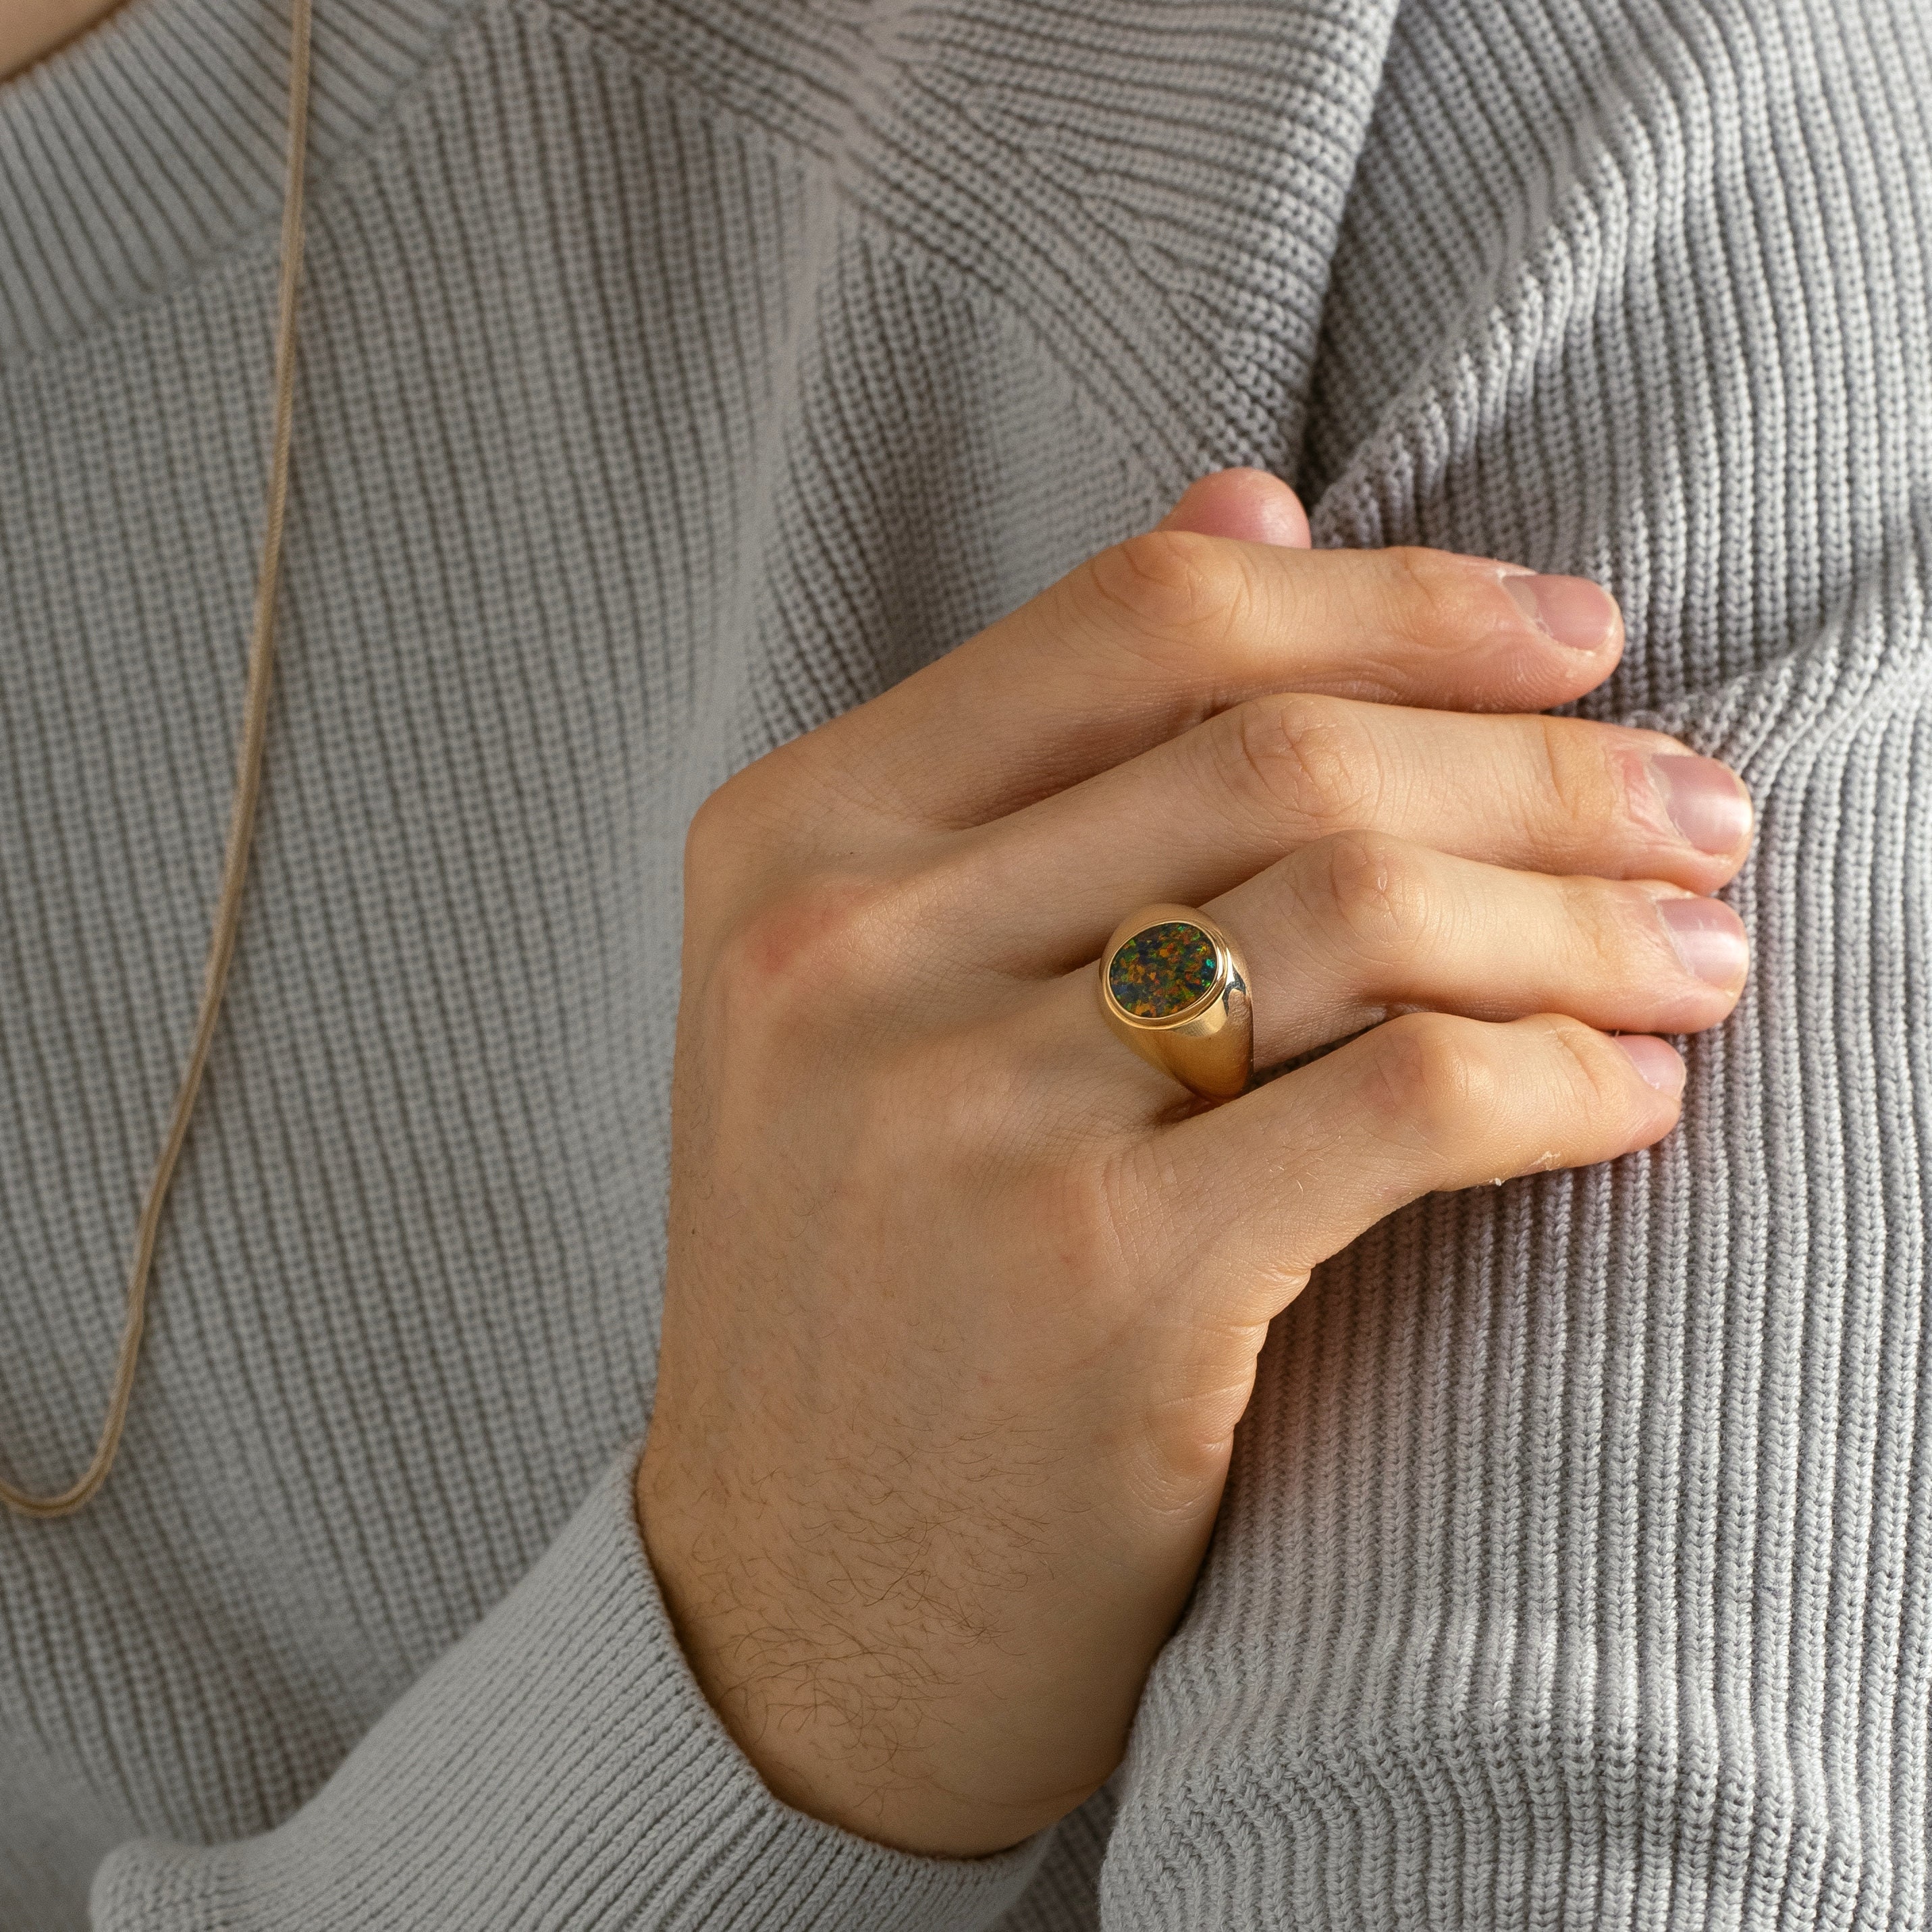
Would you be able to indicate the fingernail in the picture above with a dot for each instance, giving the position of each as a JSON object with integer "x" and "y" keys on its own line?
{"x": 1709, "y": 938}
{"x": 1572, "y": 609}
{"x": 1705, "y": 800}
{"x": 1657, "y": 1060}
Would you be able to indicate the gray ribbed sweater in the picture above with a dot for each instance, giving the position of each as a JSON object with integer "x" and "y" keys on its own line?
{"x": 676, "y": 373}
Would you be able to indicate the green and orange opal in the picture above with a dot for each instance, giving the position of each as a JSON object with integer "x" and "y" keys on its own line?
{"x": 1162, "y": 970}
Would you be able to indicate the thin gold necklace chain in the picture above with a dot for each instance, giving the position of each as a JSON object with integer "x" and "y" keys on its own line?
{"x": 241, "y": 816}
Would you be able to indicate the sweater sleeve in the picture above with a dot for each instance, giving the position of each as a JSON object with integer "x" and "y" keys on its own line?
{"x": 559, "y": 1767}
{"x": 1573, "y": 1569}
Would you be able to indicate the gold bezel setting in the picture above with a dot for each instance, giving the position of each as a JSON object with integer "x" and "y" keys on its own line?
{"x": 1208, "y": 1044}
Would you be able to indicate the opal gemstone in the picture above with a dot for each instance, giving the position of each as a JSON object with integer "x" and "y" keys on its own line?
{"x": 1161, "y": 970}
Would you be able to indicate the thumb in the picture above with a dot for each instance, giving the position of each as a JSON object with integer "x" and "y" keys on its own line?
{"x": 1247, "y": 505}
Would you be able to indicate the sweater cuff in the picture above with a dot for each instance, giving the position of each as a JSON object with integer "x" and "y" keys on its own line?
{"x": 558, "y": 1767}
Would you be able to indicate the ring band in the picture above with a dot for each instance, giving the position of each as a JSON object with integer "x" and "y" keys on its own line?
{"x": 1174, "y": 988}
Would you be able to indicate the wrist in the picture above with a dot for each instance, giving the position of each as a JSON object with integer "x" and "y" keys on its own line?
{"x": 854, "y": 1705}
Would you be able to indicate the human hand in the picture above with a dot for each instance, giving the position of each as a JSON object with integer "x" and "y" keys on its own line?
{"x": 964, "y": 1300}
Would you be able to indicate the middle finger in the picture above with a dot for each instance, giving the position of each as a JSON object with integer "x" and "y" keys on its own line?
{"x": 1196, "y": 816}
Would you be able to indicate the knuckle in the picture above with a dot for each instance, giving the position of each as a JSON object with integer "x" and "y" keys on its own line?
{"x": 1591, "y": 1086}
{"x": 1600, "y": 927}
{"x": 807, "y": 951}
{"x": 1434, "y": 599}
{"x": 1580, "y": 794}
{"x": 978, "y": 1099}
{"x": 724, "y": 858}
{"x": 713, "y": 839}
{"x": 1373, "y": 892}
{"x": 1081, "y": 1203}
{"x": 1172, "y": 586}
{"x": 747, "y": 831}
{"x": 959, "y": 1114}
{"x": 1433, "y": 1078}
{"x": 909, "y": 1111}
{"x": 1302, "y": 757}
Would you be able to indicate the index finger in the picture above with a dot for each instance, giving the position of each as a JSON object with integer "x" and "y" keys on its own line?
{"x": 1150, "y": 637}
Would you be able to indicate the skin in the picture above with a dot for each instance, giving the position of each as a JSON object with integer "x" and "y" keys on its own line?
{"x": 30, "y": 30}
{"x": 964, "y": 1300}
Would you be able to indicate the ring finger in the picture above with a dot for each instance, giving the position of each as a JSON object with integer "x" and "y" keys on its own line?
{"x": 1347, "y": 932}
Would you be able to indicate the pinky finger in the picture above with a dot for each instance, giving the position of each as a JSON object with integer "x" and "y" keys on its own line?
{"x": 1284, "y": 1177}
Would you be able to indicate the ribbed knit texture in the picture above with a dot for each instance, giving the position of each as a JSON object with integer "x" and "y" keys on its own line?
{"x": 675, "y": 375}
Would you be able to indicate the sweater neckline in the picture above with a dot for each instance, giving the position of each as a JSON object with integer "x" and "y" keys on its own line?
{"x": 153, "y": 144}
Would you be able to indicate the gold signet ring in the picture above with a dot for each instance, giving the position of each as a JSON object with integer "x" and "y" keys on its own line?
{"x": 1173, "y": 987}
